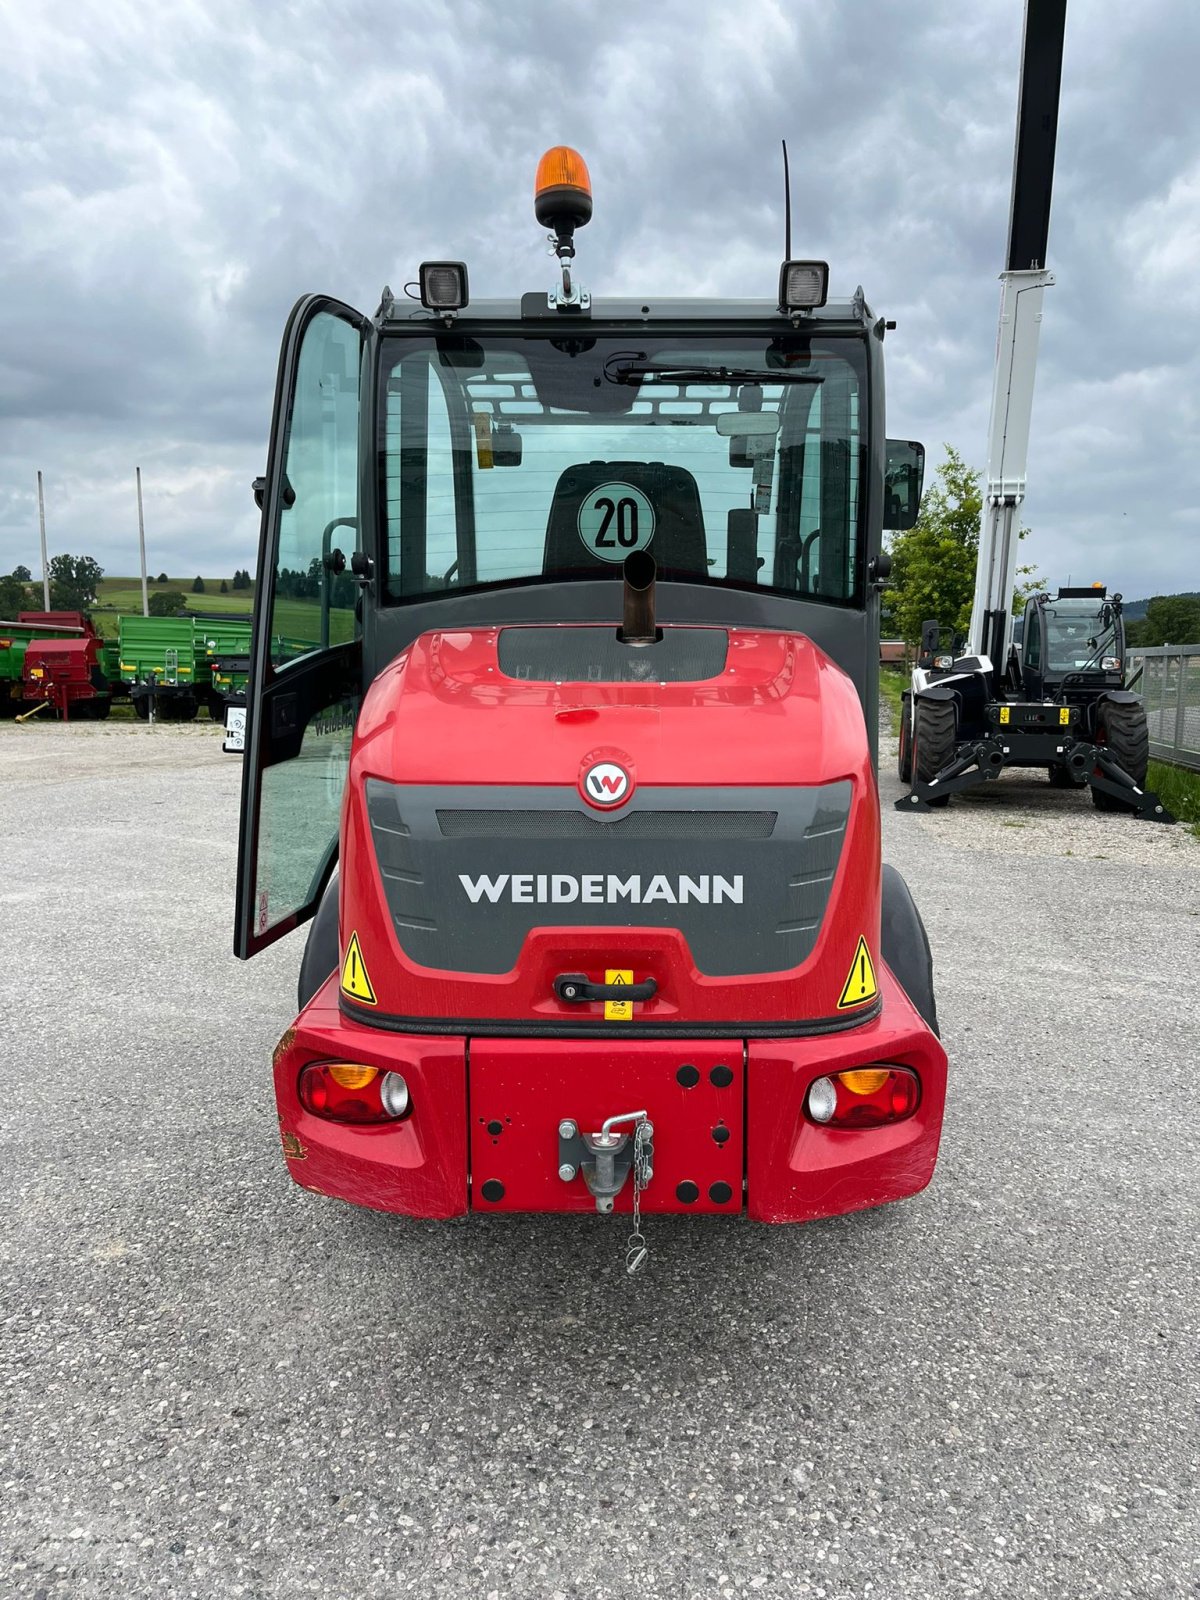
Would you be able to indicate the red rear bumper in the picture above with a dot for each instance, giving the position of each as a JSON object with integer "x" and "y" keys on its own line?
{"x": 730, "y": 1130}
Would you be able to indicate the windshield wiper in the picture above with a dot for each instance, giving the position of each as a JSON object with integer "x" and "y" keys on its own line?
{"x": 638, "y": 371}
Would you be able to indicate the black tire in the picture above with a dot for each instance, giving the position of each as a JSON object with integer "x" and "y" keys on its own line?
{"x": 321, "y": 947}
{"x": 1122, "y": 728}
{"x": 184, "y": 711}
{"x": 141, "y": 707}
{"x": 904, "y": 757}
{"x": 933, "y": 741}
{"x": 103, "y": 706}
{"x": 904, "y": 944}
{"x": 1064, "y": 778}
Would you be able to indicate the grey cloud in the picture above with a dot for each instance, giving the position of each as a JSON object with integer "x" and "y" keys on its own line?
{"x": 172, "y": 180}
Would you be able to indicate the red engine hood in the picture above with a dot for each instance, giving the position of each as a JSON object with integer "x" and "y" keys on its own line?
{"x": 780, "y": 712}
{"x": 775, "y": 716}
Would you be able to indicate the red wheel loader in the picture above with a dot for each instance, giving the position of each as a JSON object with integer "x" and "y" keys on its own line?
{"x": 576, "y": 777}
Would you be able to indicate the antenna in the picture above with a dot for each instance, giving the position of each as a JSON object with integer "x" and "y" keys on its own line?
{"x": 787, "y": 205}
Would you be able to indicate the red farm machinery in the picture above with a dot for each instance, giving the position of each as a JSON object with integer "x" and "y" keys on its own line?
{"x": 53, "y": 660}
{"x": 576, "y": 778}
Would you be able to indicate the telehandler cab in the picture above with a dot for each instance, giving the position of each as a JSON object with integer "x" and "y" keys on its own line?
{"x": 578, "y": 783}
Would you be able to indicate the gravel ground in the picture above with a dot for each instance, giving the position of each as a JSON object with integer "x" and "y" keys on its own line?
{"x": 215, "y": 1384}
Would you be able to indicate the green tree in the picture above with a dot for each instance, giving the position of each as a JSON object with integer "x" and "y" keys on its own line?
{"x": 162, "y": 578}
{"x": 22, "y": 574}
{"x": 1169, "y": 619}
{"x": 74, "y": 582}
{"x": 933, "y": 562}
{"x": 224, "y": 587}
{"x": 166, "y": 602}
{"x": 198, "y": 585}
{"x": 14, "y": 596}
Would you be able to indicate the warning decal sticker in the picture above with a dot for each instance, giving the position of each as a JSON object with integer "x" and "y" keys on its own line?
{"x": 355, "y": 982}
{"x": 618, "y": 1010}
{"x": 860, "y": 985}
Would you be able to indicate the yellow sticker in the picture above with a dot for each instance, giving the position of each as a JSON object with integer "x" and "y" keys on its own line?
{"x": 354, "y": 974}
{"x": 1064, "y": 714}
{"x": 484, "y": 454}
{"x": 1004, "y": 713}
{"x": 618, "y": 1010}
{"x": 860, "y": 985}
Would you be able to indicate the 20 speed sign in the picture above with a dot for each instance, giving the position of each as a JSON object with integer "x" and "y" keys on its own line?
{"x": 614, "y": 520}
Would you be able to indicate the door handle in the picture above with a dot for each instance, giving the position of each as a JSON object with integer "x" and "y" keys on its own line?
{"x": 577, "y": 989}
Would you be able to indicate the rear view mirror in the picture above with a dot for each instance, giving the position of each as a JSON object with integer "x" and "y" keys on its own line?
{"x": 902, "y": 480}
{"x": 750, "y": 433}
{"x": 739, "y": 424}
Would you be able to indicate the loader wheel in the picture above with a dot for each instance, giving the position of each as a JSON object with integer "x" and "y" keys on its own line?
{"x": 904, "y": 759}
{"x": 904, "y": 944}
{"x": 933, "y": 741}
{"x": 321, "y": 947}
{"x": 1123, "y": 729}
{"x": 141, "y": 707}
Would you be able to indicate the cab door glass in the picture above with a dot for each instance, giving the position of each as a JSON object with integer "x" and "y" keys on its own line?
{"x": 1032, "y": 640}
{"x": 314, "y": 597}
{"x": 310, "y": 709}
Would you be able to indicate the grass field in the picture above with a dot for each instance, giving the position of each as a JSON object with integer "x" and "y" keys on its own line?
{"x": 1179, "y": 791}
{"x": 296, "y": 619}
{"x": 892, "y": 684}
{"x": 124, "y": 595}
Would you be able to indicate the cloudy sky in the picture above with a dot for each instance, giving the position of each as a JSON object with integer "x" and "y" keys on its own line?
{"x": 173, "y": 177}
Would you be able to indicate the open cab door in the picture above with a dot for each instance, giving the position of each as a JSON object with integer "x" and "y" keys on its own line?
{"x": 306, "y": 661}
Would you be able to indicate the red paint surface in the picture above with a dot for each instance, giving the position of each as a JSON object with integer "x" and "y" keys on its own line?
{"x": 793, "y": 1170}
{"x": 528, "y": 1087}
{"x": 417, "y": 1166}
{"x": 443, "y": 713}
{"x": 781, "y": 713}
{"x": 67, "y": 668}
{"x": 799, "y": 1170}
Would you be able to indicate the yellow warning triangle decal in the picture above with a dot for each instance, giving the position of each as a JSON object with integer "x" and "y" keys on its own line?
{"x": 354, "y": 975}
{"x": 860, "y": 985}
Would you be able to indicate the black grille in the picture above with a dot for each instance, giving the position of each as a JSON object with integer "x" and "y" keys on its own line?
{"x": 577, "y": 825}
{"x": 596, "y": 655}
{"x": 465, "y": 883}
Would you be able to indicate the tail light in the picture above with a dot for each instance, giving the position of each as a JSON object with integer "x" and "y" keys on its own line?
{"x": 345, "y": 1091}
{"x": 864, "y": 1097}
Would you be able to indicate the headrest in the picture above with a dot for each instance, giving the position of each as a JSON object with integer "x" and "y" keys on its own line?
{"x": 676, "y": 541}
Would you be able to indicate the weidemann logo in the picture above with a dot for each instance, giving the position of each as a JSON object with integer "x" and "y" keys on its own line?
{"x": 601, "y": 889}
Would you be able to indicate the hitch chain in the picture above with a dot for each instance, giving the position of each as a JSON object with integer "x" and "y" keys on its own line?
{"x": 604, "y": 1160}
{"x": 636, "y": 1249}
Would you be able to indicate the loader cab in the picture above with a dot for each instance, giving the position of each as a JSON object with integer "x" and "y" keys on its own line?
{"x": 436, "y": 468}
{"x": 1072, "y": 644}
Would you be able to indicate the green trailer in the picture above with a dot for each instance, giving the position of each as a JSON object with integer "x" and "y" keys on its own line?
{"x": 226, "y": 644}
{"x": 110, "y": 665}
{"x": 164, "y": 662}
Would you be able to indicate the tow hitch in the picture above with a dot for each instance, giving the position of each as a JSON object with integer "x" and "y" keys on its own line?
{"x": 605, "y": 1160}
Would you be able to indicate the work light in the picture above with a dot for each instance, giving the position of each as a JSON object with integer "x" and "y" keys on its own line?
{"x": 443, "y": 285}
{"x": 803, "y": 284}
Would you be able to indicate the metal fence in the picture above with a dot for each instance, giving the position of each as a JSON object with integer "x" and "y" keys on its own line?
{"x": 1167, "y": 677}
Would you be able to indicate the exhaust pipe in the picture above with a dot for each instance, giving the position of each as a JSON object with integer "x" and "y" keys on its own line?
{"x": 638, "y": 626}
